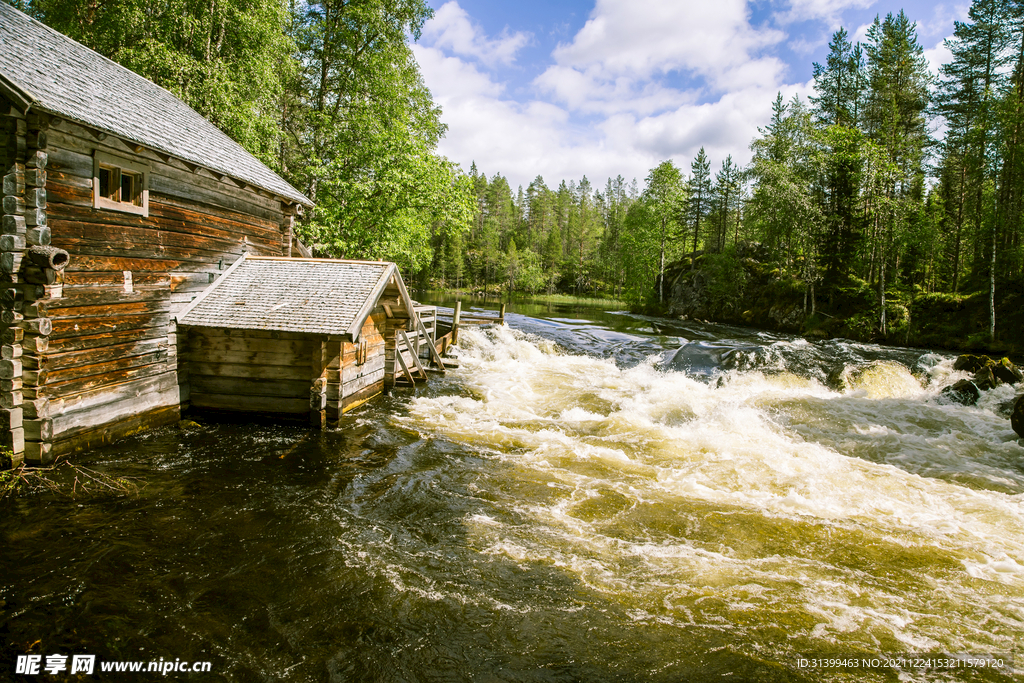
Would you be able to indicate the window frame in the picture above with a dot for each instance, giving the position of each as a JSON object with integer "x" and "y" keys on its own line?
{"x": 118, "y": 165}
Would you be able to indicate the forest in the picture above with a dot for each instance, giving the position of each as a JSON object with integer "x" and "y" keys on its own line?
{"x": 889, "y": 180}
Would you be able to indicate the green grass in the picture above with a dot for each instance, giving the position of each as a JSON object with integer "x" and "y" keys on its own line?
{"x": 571, "y": 299}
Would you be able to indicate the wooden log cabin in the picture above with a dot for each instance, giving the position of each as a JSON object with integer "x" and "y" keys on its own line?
{"x": 147, "y": 204}
{"x": 297, "y": 336}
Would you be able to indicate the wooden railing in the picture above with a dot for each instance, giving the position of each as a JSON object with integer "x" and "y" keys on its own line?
{"x": 429, "y": 339}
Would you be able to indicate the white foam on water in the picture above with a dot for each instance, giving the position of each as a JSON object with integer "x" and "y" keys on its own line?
{"x": 877, "y": 514}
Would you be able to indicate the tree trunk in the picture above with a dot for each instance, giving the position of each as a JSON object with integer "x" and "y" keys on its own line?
{"x": 992, "y": 290}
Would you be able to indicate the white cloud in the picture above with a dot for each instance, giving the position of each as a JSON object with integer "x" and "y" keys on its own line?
{"x": 451, "y": 29}
{"x": 828, "y": 11}
{"x": 937, "y": 56}
{"x": 713, "y": 40}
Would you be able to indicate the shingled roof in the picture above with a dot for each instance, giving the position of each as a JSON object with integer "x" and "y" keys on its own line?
{"x": 41, "y": 69}
{"x": 316, "y": 296}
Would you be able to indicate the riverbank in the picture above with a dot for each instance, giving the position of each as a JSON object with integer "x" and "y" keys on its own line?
{"x": 499, "y": 295}
{"x": 737, "y": 287}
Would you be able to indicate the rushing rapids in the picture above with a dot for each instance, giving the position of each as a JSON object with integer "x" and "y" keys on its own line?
{"x": 621, "y": 500}
{"x": 871, "y": 516}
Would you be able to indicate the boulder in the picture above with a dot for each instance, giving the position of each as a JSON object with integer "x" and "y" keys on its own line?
{"x": 963, "y": 392}
{"x": 970, "y": 362}
{"x": 1017, "y": 417}
{"x": 985, "y": 379}
{"x": 1006, "y": 371}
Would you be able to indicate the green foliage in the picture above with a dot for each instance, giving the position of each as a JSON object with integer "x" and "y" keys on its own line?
{"x": 228, "y": 59}
{"x": 725, "y": 281}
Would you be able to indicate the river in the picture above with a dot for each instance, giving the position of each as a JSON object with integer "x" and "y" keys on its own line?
{"x": 591, "y": 496}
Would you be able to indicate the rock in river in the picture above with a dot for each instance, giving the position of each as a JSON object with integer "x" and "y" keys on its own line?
{"x": 964, "y": 392}
{"x": 1017, "y": 417}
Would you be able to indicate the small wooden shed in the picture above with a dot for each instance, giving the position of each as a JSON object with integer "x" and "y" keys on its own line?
{"x": 295, "y": 336}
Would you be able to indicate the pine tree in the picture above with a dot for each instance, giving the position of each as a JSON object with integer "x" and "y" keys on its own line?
{"x": 699, "y": 197}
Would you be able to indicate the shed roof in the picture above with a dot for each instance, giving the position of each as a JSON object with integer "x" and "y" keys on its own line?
{"x": 315, "y": 296}
{"x": 43, "y": 69}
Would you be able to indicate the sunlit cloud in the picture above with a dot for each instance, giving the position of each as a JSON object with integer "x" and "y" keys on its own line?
{"x": 452, "y": 29}
{"x": 636, "y": 84}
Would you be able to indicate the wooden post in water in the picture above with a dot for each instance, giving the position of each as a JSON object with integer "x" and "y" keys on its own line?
{"x": 501, "y": 318}
{"x": 318, "y": 388}
{"x": 455, "y": 322}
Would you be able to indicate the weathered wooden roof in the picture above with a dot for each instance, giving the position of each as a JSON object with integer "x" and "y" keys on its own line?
{"x": 315, "y": 296}
{"x": 43, "y": 69}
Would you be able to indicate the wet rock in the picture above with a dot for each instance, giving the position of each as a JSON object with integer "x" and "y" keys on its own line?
{"x": 1005, "y": 408}
{"x": 984, "y": 379}
{"x": 970, "y": 363}
{"x": 1017, "y": 417}
{"x": 963, "y": 392}
{"x": 1006, "y": 371}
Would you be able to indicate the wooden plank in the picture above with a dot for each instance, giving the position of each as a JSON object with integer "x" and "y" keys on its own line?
{"x": 105, "y": 339}
{"x": 336, "y": 391}
{"x": 246, "y": 370}
{"x": 248, "y": 386}
{"x": 350, "y": 372}
{"x": 260, "y": 404}
{"x": 63, "y": 161}
{"x": 92, "y": 382}
{"x": 361, "y": 397}
{"x": 102, "y": 280}
{"x": 201, "y": 342}
{"x": 110, "y": 432}
{"x": 51, "y": 361}
{"x": 89, "y": 416}
{"x": 354, "y": 385}
{"x": 255, "y": 358}
{"x": 415, "y": 356}
{"x": 113, "y": 392}
{"x": 74, "y": 327}
{"x": 63, "y": 374}
{"x": 433, "y": 351}
{"x": 57, "y": 310}
{"x": 70, "y": 205}
{"x": 223, "y": 196}
{"x": 455, "y": 322}
{"x": 405, "y": 369}
{"x": 151, "y": 233}
{"x": 213, "y": 332}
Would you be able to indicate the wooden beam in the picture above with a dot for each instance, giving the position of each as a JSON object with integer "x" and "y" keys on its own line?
{"x": 412, "y": 350}
{"x": 405, "y": 368}
{"x": 433, "y": 351}
{"x": 455, "y": 322}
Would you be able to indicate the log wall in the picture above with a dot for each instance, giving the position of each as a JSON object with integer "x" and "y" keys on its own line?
{"x": 105, "y": 360}
{"x": 251, "y": 371}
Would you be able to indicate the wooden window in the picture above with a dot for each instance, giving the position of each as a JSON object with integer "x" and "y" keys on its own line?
{"x": 361, "y": 351}
{"x": 120, "y": 184}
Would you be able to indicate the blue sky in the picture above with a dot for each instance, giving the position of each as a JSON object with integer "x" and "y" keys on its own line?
{"x": 567, "y": 89}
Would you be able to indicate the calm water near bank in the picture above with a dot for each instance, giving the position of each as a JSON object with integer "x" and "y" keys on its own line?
{"x": 591, "y": 496}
